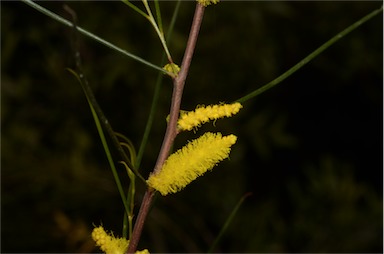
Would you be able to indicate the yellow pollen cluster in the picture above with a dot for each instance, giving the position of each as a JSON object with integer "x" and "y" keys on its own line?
{"x": 191, "y": 161}
{"x": 145, "y": 251}
{"x": 207, "y": 2}
{"x": 201, "y": 115}
{"x": 172, "y": 68}
{"x": 108, "y": 243}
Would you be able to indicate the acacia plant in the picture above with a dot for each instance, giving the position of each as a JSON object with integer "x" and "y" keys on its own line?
{"x": 173, "y": 171}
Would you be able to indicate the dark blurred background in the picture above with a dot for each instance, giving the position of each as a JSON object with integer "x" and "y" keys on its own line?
{"x": 309, "y": 150}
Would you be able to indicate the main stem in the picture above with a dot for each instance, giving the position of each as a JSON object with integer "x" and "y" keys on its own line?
{"x": 171, "y": 131}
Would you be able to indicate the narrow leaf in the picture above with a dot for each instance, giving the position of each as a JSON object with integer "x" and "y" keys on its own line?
{"x": 93, "y": 36}
{"x": 135, "y": 8}
{"x": 158, "y": 16}
{"x": 311, "y": 56}
{"x": 228, "y": 221}
{"x": 105, "y": 145}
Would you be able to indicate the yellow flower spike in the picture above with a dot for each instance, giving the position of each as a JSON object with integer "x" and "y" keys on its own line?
{"x": 201, "y": 115}
{"x": 191, "y": 161}
{"x": 172, "y": 68}
{"x": 207, "y": 2}
{"x": 108, "y": 243}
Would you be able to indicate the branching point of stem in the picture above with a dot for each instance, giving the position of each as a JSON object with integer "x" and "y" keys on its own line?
{"x": 171, "y": 130}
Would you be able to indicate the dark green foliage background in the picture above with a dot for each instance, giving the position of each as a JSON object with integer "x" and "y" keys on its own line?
{"x": 310, "y": 150}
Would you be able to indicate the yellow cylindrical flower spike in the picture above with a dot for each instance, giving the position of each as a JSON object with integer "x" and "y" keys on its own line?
{"x": 110, "y": 244}
{"x": 201, "y": 115}
{"x": 191, "y": 161}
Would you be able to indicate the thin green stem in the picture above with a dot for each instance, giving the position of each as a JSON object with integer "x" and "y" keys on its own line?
{"x": 129, "y": 145}
{"x": 156, "y": 94}
{"x": 93, "y": 36}
{"x": 158, "y": 31}
{"x": 135, "y": 8}
{"x": 150, "y": 120}
{"x": 173, "y": 21}
{"x": 97, "y": 115}
{"x": 158, "y": 16}
{"x": 310, "y": 56}
{"x": 227, "y": 222}
{"x": 126, "y": 225}
{"x": 107, "y": 152}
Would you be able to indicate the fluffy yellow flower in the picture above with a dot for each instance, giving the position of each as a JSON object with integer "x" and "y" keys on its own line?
{"x": 191, "y": 161}
{"x": 202, "y": 114}
{"x": 110, "y": 244}
{"x": 207, "y": 2}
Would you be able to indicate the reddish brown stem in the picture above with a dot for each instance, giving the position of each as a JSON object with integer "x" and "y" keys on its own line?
{"x": 171, "y": 131}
